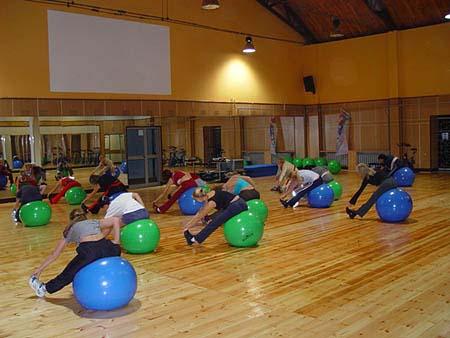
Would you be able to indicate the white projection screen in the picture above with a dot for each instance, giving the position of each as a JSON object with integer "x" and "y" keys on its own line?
{"x": 99, "y": 55}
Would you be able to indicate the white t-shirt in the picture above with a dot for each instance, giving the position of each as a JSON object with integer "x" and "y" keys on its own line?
{"x": 308, "y": 176}
{"x": 123, "y": 204}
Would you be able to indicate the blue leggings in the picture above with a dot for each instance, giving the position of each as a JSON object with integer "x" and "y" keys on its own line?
{"x": 304, "y": 191}
{"x": 221, "y": 217}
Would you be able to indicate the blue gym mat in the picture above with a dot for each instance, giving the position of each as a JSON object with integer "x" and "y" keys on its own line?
{"x": 260, "y": 170}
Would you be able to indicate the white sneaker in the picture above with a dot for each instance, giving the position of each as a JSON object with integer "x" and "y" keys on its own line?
{"x": 37, "y": 286}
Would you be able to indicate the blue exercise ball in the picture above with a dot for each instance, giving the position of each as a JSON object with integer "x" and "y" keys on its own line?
{"x": 188, "y": 205}
{"x": 17, "y": 164}
{"x": 3, "y": 181}
{"x": 105, "y": 284}
{"x": 404, "y": 177}
{"x": 116, "y": 172}
{"x": 394, "y": 205}
{"x": 124, "y": 167}
{"x": 321, "y": 197}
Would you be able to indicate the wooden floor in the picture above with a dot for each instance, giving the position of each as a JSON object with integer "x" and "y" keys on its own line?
{"x": 315, "y": 274}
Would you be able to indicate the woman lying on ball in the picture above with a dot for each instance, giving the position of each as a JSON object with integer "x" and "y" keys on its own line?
{"x": 182, "y": 180}
{"x": 381, "y": 179}
{"x": 127, "y": 207}
{"x": 227, "y": 204}
{"x": 63, "y": 185}
{"x": 300, "y": 183}
{"x": 111, "y": 187}
{"x": 27, "y": 193}
{"x": 243, "y": 186}
{"x": 89, "y": 235}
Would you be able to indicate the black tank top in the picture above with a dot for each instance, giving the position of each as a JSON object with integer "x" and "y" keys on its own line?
{"x": 222, "y": 199}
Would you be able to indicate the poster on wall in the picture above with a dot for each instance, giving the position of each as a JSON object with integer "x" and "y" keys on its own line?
{"x": 273, "y": 136}
{"x": 341, "y": 142}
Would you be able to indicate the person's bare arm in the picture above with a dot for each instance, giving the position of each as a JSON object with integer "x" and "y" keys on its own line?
{"x": 16, "y": 205}
{"x": 200, "y": 215}
{"x": 58, "y": 185}
{"x": 51, "y": 258}
{"x": 111, "y": 224}
{"x": 165, "y": 191}
{"x": 91, "y": 194}
{"x": 138, "y": 198}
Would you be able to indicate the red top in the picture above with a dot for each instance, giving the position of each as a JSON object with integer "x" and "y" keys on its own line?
{"x": 177, "y": 175}
{"x": 66, "y": 180}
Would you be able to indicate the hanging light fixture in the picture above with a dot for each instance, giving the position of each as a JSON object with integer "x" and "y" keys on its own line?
{"x": 249, "y": 47}
{"x": 336, "y": 33}
{"x": 210, "y": 4}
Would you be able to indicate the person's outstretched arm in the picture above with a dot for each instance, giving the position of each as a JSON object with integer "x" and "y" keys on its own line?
{"x": 200, "y": 215}
{"x": 91, "y": 194}
{"x": 111, "y": 224}
{"x": 138, "y": 198}
{"x": 165, "y": 191}
{"x": 51, "y": 258}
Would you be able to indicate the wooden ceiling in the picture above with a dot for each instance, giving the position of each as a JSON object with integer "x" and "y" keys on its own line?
{"x": 313, "y": 19}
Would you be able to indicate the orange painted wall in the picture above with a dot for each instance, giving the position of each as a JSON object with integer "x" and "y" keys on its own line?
{"x": 206, "y": 65}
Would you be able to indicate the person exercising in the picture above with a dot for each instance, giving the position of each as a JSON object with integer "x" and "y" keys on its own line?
{"x": 111, "y": 187}
{"x": 243, "y": 186}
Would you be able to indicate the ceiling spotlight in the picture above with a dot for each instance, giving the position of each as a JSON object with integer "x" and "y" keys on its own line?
{"x": 336, "y": 33}
{"x": 447, "y": 16}
{"x": 210, "y": 4}
{"x": 249, "y": 48}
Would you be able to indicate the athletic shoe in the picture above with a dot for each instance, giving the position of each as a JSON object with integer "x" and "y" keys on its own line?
{"x": 285, "y": 204}
{"x": 188, "y": 237}
{"x": 14, "y": 216}
{"x": 37, "y": 286}
{"x": 351, "y": 213}
{"x": 84, "y": 207}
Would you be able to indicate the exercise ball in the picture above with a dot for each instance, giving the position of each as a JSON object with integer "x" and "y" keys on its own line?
{"x": 288, "y": 159}
{"x": 17, "y": 164}
{"x": 308, "y": 163}
{"x": 105, "y": 284}
{"x": 244, "y": 229}
{"x": 139, "y": 237}
{"x": 321, "y": 197}
{"x": 394, "y": 205}
{"x": 13, "y": 189}
{"x": 322, "y": 162}
{"x": 124, "y": 167}
{"x": 334, "y": 167}
{"x": 35, "y": 213}
{"x": 259, "y": 208}
{"x": 404, "y": 177}
{"x": 3, "y": 181}
{"x": 188, "y": 205}
{"x": 75, "y": 195}
{"x": 206, "y": 188}
{"x": 298, "y": 162}
{"x": 337, "y": 189}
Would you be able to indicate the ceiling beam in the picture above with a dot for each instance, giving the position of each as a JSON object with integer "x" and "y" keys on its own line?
{"x": 291, "y": 18}
{"x": 379, "y": 9}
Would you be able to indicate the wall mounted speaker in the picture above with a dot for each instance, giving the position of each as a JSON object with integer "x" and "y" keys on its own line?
{"x": 308, "y": 82}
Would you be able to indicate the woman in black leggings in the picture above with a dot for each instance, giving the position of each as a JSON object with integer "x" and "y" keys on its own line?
{"x": 381, "y": 179}
{"x": 90, "y": 236}
{"x": 227, "y": 204}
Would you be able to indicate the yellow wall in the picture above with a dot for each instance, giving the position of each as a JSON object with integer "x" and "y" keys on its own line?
{"x": 206, "y": 65}
{"x": 406, "y": 63}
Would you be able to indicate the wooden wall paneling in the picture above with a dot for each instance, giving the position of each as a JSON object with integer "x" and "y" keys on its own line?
{"x": 24, "y": 107}
{"x": 94, "y": 107}
{"x": 299, "y": 136}
{"x": 49, "y": 107}
{"x": 288, "y": 134}
{"x": 72, "y": 107}
{"x": 6, "y": 107}
{"x": 168, "y": 108}
{"x": 185, "y": 108}
{"x": 123, "y": 108}
{"x": 394, "y": 124}
{"x": 256, "y": 133}
{"x": 150, "y": 108}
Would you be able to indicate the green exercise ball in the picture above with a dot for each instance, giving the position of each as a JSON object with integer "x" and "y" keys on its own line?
{"x": 322, "y": 162}
{"x": 308, "y": 162}
{"x": 75, "y": 195}
{"x": 334, "y": 167}
{"x": 139, "y": 237}
{"x": 35, "y": 214}
{"x": 259, "y": 208}
{"x": 298, "y": 162}
{"x": 206, "y": 188}
{"x": 288, "y": 159}
{"x": 337, "y": 189}
{"x": 243, "y": 230}
{"x": 13, "y": 189}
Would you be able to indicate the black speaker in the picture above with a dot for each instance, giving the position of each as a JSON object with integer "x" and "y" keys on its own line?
{"x": 308, "y": 82}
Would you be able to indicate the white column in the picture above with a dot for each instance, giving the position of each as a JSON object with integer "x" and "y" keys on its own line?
{"x": 35, "y": 141}
{"x": 7, "y": 150}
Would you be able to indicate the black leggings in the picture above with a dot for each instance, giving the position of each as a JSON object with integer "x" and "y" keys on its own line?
{"x": 386, "y": 185}
{"x": 249, "y": 194}
{"x": 87, "y": 253}
{"x": 302, "y": 192}
{"x": 221, "y": 217}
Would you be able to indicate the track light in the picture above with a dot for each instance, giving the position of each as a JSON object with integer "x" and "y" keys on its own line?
{"x": 210, "y": 4}
{"x": 336, "y": 33}
{"x": 249, "y": 48}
